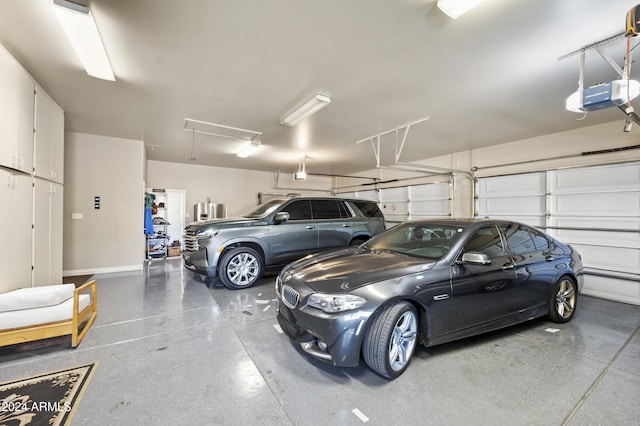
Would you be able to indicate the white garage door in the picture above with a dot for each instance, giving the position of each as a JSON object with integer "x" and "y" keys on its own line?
{"x": 595, "y": 209}
{"x": 411, "y": 202}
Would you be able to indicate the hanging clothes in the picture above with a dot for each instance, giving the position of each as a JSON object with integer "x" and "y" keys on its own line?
{"x": 148, "y": 220}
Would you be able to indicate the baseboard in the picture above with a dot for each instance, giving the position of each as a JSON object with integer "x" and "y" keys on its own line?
{"x": 126, "y": 268}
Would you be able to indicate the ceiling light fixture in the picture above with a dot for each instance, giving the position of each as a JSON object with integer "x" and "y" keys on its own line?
{"x": 457, "y": 8}
{"x": 305, "y": 110}
{"x": 254, "y": 145}
{"x": 80, "y": 28}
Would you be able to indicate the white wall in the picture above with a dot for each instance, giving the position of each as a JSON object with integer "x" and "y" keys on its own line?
{"x": 110, "y": 239}
{"x": 236, "y": 188}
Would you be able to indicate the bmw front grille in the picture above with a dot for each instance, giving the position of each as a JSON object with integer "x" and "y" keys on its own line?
{"x": 290, "y": 297}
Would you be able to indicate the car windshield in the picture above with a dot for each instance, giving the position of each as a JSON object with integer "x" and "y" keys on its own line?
{"x": 426, "y": 240}
{"x": 265, "y": 208}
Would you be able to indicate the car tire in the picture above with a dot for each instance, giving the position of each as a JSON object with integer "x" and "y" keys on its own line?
{"x": 390, "y": 341}
{"x": 563, "y": 301}
{"x": 356, "y": 242}
{"x": 240, "y": 267}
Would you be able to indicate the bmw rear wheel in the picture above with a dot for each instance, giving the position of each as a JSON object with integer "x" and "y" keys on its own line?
{"x": 240, "y": 267}
{"x": 391, "y": 340}
{"x": 564, "y": 298}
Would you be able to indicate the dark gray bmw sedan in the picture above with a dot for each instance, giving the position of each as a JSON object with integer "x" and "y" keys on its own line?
{"x": 425, "y": 282}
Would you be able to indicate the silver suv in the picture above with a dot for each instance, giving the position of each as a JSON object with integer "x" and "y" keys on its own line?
{"x": 238, "y": 250}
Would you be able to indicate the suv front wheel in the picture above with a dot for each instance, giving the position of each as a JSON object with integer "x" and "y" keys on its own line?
{"x": 240, "y": 267}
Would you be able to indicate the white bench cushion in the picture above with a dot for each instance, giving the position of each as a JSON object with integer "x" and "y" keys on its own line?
{"x": 35, "y": 297}
{"x": 35, "y": 316}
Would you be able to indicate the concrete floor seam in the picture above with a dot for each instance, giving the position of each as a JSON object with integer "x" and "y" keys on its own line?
{"x": 253, "y": 360}
{"x": 600, "y": 377}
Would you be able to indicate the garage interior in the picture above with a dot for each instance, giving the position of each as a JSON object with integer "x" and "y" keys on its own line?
{"x": 429, "y": 116}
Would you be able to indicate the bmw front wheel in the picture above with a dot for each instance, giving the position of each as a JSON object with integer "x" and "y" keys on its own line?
{"x": 391, "y": 340}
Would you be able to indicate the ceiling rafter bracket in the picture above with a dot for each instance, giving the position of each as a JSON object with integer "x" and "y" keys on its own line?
{"x": 375, "y": 139}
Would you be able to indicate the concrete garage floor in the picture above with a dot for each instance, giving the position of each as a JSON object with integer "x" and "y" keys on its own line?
{"x": 171, "y": 350}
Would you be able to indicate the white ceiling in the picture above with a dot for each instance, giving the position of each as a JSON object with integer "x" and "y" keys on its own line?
{"x": 489, "y": 77}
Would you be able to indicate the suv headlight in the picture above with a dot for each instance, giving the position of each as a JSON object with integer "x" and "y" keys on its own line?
{"x": 332, "y": 303}
{"x": 206, "y": 233}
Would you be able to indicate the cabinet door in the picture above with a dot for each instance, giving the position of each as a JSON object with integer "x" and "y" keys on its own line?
{"x": 44, "y": 108}
{"x": 16, "y": 197}
{"x": 47, "y": 233}
{"x": 49, "y": 139}
{"x": 57, "y": 143}
{"x": 16, "y": 114}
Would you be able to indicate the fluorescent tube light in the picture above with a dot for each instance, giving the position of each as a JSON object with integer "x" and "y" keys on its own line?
{"x": 80, "y": 28}
{"x": 457, "y": 8}
{"x": 305, "y": 110}
{"x": 250, "y": 149}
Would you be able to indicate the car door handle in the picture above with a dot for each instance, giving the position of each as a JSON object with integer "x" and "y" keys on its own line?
{"x": 311, "y": 227}
{"x": 550, "y": 258}
{"x": 508, "y": 267}
{"x": 344, "y": 225}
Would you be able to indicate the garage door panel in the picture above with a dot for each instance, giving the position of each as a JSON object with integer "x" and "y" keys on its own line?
{"x": 347, "y": 194}
{"x": 368, "y": 195}
{"x": 426, "y": 209}
{"x": 619, "y": 259}
{"x": 597, "y": 222}
{"x": 394, "y": 194}
{"x": 529, "y": 184}
{"x": 596, "y": 209}
{"x": 612, "y": 289}
{"x": 605, "y": 204}
{"x": 438, "y": 191}
{"x": 617, "y": 177}
{"x": 535, "y": 221}
{"x": 525, "y": 206}
{"x": 594, "y": 236}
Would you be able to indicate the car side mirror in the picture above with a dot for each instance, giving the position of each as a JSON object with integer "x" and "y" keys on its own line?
{"x": 475, "y": 258}
{"x": 281, "y": 217}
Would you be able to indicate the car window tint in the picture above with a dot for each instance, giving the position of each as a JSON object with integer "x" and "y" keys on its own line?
{"x": 368, "y": 208}
{"x": 299, "y": 210}
{"x": 518, "y": 239}
{"x": 344, "y": 211}
{"x": 420, "y": 239}
{"x": 325, "y": 209}
{"x": 487, "y": 241}
{"x": 540, "y": 240}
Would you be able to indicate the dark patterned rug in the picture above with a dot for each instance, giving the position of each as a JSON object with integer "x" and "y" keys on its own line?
{"x": 48, "y": 399}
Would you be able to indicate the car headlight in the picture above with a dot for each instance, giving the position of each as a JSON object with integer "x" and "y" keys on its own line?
{"x": 206, "y": 233}
{"x": 332, "y": 303}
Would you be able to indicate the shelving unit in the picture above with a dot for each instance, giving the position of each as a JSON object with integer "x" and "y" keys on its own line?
{"x": 158, "y": 242}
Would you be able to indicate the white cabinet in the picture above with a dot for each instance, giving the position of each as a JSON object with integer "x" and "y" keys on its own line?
{"x": 47, "y": 232}
{"x": 31, "y": 213}
{"x": 16, "y": 114}
{"x": 49, "y": 138}
{"x": 16, "y": 199}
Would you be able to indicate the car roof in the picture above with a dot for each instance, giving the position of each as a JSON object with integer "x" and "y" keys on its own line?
{"x": 463, "y": 222}
{"x": 325, "y": 197}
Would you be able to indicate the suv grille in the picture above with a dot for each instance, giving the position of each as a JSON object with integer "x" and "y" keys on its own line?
{"x": 290, "y": 297}
{"x": 190, "y": 240}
